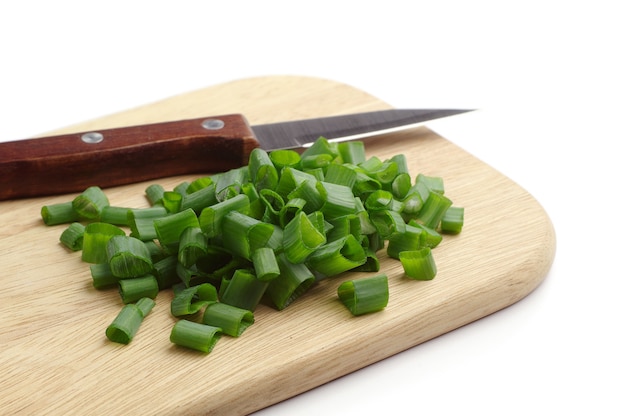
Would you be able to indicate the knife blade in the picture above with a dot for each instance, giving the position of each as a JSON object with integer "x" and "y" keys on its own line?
{"x": 111, "y": 157}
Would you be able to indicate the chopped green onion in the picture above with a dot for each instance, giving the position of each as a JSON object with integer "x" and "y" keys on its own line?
{"x": 199, "y": 199}
{"x": 407, "y": 240}
{"x": 289, "y": 211}
{"x": 387, "y": 222}
{"x": 341, "y": 175}
{"x": 379, "y": 200}
{"x": 193, "y": 245}
{"x": 337, "y": 256}
{"x": 434, "y": 209}
{"x": 316, "y": 161}
{"x": 301, "y": 238}
{"x": 364, "y": 184}
{"x": 273, "y": 203}
{"x": 153, "y": 212}
{"x": 156, "y": 251}
{"x": 430, "y": 237}
{"x": 365, "y": 295}
{"x": 256, "y": 206}
{"x": 195, "y": 336}
{"x": 190, "y": 300}
{"x": 141, "y": 221}
{"x": 352, "y": 152}
{"x": 170, "y": 228}
{"x": 311, "y": 193}
{"x": 244, "y": 290}
{"x": 318, "y": 173}
{"x": 321, "y": 146}
{"x": 383, "y": 172}
{"x": 172, "y": 201}
{"x": 372, "y": 263}
{"x": 126, "y": 324}
{"x": 411, "y": 205}
{"x": 265, "y": 264}
{"x": 262, "y": 171}
{"x": 290, "y": 179}
{"x": 154, "y": 193}
{"x": 342, "y": 226}
{"x": 217, "y": 261}
{"x": 128, "y": 257}
{"x": 242, "y": 234}
{"x": 285, "y": 158}
{"x": 434, "y": 183}
{"x": 401, "y": 185}
{"x": 338, "y": 199}
{"x": 270, "y": 229}
{"x": 419, "y": 264}
{"x": 165, "y": 271}
{"x": 400, "y": 161}
{"x": 182, "y": 187}
{"x": 291, "y": 283}
{"x": 210, "y": 219}
{"x": 131, "y": 290}
{"x": 231, "y": 319}
{"x": 90, "y": 202}
{"x": 95, "y": 239}
{"x": 114, "y": 215}
{"x": 228, "y": 184}
{"x": 199, "y": 184}
{"x": 61, "y": 213}
{"x": 102, "y": 276}
{"x": 452, "y": 220}
{"x": 72, "y": 236}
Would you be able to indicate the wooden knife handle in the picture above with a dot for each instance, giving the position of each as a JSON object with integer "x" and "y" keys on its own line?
{"x": 72, "y": 162}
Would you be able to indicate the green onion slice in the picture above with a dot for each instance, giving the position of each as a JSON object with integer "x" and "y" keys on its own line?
{"x": 265, "y": 264}
{"x": 365, "y": 295}
{"x": 419, "y": 264}
{"x": 211, "y": 217}
{"x": 244, "y": 290}
{"x": 195, "y": 336}
{"x": 96, "y": 236}
{"x": 128, "y": 256}
{"x": 193, "y": 245}
{"x": 231, "y": 319}
{"x": 452, "y": 220}
{"x": 190, "y": 300}
{"x": 262, "y": 170}
{"x": 90, "y": 202}
{"x": 293, "y": 281}
{"x": 301, "y": 238}
{"x": 72, "y": 236}
{"x": 61, "y": 213}
{"x": 337, "y": 256}
{"x": 170, "y": 228}
{"x": 131, "y": 290}
{"x": 126, "y": 324}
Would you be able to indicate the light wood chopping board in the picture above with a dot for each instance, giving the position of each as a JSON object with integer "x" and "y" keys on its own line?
{"x": 55, "y": 358}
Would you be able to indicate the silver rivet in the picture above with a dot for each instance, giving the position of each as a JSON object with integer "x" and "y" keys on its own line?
{"x": 92, "y": 137}
{"x": 213, "y": 124}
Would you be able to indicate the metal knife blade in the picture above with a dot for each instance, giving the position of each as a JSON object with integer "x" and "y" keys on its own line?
{"x": 72, "y": 162}
{"x": 300, "y": 133}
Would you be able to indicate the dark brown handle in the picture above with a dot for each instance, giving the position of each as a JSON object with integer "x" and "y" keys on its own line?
{"x": 111, "y": 157}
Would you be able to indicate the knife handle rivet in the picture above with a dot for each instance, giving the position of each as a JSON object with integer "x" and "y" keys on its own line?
{"x": 213, "y": 124}
{"x": 92, "y": 137}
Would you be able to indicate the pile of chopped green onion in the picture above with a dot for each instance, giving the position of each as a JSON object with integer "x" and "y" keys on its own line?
{"x": 265, "y": 232}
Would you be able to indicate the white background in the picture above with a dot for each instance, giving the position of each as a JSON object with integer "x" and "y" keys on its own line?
{"x": 548, "y": 78}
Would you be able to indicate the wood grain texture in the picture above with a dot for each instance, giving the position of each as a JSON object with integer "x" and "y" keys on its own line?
{"x": 54, "y": 355}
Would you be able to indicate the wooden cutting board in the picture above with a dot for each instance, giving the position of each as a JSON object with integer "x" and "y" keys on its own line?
{"x": 55, "y": 358}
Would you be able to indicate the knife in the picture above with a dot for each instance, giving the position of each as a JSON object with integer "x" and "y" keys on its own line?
{"x": 72, "y": 162}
